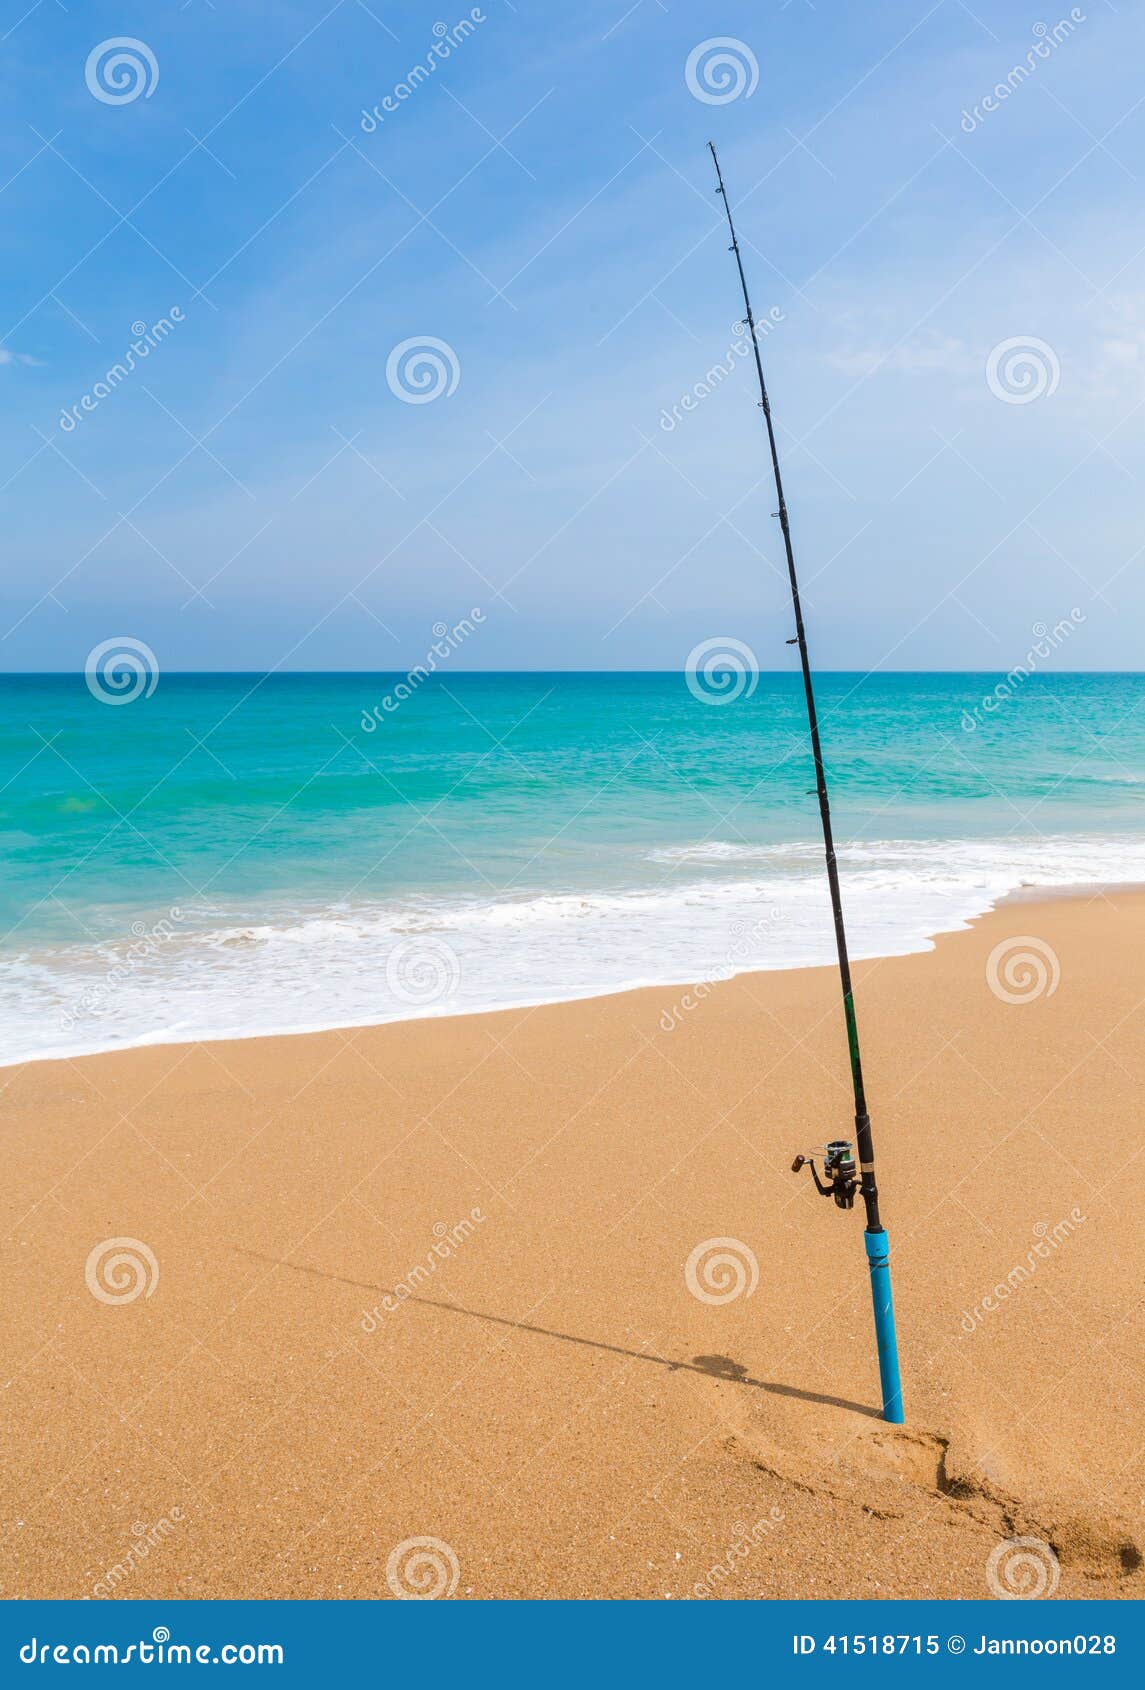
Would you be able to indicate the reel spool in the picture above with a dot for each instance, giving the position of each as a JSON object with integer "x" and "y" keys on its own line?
{"x": 839, "y": 1168}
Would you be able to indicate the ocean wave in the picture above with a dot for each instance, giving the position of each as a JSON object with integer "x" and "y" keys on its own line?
{"x": 213, "y": 974}
{"x": 728, "y": 851}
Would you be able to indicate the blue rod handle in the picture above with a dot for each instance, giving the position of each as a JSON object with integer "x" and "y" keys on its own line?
{"x": 878, "y": 1259}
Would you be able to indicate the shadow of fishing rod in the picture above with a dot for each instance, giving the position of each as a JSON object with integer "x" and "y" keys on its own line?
{"x": 712, "y": 1367}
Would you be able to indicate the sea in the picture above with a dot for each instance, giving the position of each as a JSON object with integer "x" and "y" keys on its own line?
{"x": 209, "y": 856}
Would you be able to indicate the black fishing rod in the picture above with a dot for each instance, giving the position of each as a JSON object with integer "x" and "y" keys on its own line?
{"x": 839, "y": 1162}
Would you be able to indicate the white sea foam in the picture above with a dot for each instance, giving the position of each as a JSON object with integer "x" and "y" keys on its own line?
{"x": 728, "y": 851}
{"x": 704, "y": 912}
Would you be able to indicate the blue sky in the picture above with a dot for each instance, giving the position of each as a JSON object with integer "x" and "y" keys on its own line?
{"x": 254, "y": 493}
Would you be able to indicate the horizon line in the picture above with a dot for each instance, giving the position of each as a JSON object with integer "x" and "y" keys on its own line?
{"x": 457, "y": 671}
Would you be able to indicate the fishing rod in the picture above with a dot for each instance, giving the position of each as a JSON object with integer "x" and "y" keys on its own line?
{"x": 842, "y": 1179}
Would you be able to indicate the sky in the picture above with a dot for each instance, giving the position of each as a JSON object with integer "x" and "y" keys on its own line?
{"x": 953, "y": 283}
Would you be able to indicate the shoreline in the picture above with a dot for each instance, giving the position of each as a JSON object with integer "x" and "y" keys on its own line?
{"x": 269, "y": 1195}
{"x": 171, "y": 1039}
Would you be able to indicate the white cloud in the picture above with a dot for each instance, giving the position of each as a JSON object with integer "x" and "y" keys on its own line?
{"x": 920, "y": 357}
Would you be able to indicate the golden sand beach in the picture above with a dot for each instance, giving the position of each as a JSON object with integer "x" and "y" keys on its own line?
{"x": 430, "y": 1281}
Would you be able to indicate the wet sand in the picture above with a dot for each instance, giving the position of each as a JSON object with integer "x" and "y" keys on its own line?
{"x": 430, "y": 1281}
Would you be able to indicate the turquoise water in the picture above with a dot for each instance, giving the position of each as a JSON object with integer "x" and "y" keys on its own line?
{"x": 235, "y": 854}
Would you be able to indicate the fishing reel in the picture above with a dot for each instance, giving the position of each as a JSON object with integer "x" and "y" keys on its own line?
{"x": 839, "y": 1167}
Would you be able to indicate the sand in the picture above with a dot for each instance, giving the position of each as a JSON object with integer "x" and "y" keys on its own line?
{"x": 299, "y": 1394}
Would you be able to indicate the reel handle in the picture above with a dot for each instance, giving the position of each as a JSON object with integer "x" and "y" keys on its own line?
{"x": 839, "y": 1166}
